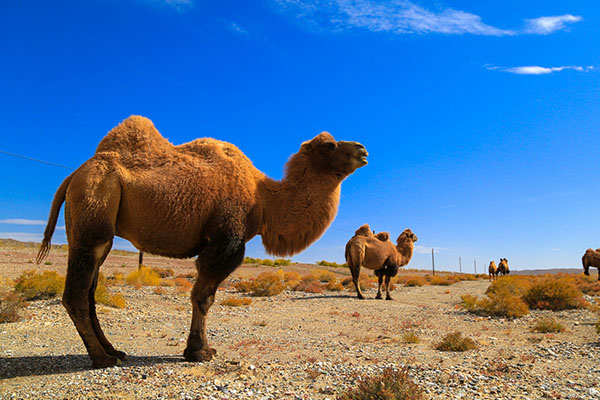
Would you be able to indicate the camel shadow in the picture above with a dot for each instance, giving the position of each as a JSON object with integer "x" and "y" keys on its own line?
{"x": 13, "y": 367}
{"x": 325, "y": 296}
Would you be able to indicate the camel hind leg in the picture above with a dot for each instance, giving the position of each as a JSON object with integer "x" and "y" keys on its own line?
{"x": 78, "y": 299}
{"x": 379, "y": 273}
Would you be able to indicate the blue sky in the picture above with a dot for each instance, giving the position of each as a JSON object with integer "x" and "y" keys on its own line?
{"x": 481, "y": 118}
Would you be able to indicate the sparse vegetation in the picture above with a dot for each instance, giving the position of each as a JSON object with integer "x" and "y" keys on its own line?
{"x": 554, "y": 293}
{"x": 143, "y": 276}
{"x": 456, "y": 342}
{"x": 309, "y": 284}
{"x": 163, "y": 273}
{"x": 548, "y": 325}
{"x": 236, "y": 302}
{"x": 411, "y": 280}
{"x": 103, "y": 296}
{"x": 266, "y": 284}
{"x": 388, "y": 385}
{"x": 34, "y": 286}
{"x": 410, "y": 337}
{"x": 332, "y": 264}
{"x": 12, "y": 305}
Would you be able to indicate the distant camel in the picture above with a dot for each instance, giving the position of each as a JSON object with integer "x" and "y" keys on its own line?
{"x": 378, "y": 253}
{"x": 503, "y": 267}
{"x": 203, "y": 198}
{"x": 493, "y": 270}
{"x": 591, "y": 258}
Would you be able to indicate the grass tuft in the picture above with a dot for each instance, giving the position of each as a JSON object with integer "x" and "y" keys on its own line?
{"x": 548, "y": 325}
{"x": 388, "y": 385}
{"x": 456, "y": 342}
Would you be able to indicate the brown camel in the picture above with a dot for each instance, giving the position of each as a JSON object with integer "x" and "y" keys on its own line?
{"x": 203, "y": 198}
{"x": 378, "y": 253}
{"x": 591, "y": 258}
{"x": 503, "y": 267}
{"x": 493, "y": 271}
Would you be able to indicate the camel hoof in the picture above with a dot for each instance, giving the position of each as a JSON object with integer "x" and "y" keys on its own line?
{"x": 119, "y": 354}
{"x": 105, "y": 362}
{"x": 389, "y": 298}
{"x": 204, "y": 354}
{"x": 378, "y": 296}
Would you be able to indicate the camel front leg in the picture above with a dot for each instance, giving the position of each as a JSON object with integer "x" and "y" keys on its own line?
{"x": 218, "y": 259}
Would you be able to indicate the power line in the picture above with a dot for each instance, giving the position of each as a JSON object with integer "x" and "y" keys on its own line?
{"x": 36, "y": 160}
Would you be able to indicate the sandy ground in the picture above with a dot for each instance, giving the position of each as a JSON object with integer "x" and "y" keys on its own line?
{"x": 292, "y": 346}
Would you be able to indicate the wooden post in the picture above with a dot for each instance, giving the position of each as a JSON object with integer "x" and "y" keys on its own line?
{"x": 141, "y": 260}
{"x": 432, "y": 262}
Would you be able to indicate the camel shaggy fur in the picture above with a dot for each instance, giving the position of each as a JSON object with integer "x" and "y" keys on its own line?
{"x": 591, "y": 258}
{"x": 503, "y": 267}
{"x": 378, "y": 253}
{"x": 493, "y": 270}
{"x": 204, "y": 198}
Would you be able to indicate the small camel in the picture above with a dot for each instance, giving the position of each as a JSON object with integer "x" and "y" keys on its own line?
{"x": 591, "y": 258}
{"x": 493, "y": 271}
{"x": 378, "y": 253}
{"x": 204, "y": 198}
{"x": 503, "y": 267}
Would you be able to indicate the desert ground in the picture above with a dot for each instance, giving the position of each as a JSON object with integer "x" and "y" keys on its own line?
{"x": 294, "y": 345}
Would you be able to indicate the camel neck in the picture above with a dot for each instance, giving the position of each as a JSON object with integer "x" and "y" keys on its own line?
{"x": 405, "y": 249}
{"x": 297, "y": 209}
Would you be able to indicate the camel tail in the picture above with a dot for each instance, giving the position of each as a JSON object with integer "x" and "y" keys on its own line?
{"x": 57, "y": 202}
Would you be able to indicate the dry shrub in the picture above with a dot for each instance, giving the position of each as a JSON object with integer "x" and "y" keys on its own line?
{"x": 160, "y": 291}
{"x": 143, "y": 276}
{"x": 267, "y": 284}
{"x": 517, "y": 285}
{"x": 34, "y": 286}
{"x": 12, "y": 305}
{"x": 323, "y": 275}
{"x": 236, "y": 302}
{"x": 103, "y": 295}
{"x": 502, "y": 303}
{"x": 282, "y": 262}
{"x": 291, "y": 276}
{"x": 390, "y": 384}
{"x": 243, "y": 286}
{"x": 116, "y": 279}
{"x": 410, "y": 337}
{"x": 548, "y": 325}
{"x": 364, "y": 282}
{"x": 163, "y": 273}
{"x": 554, "y": 293}
{"x": 335, "y": 287}
{"x": 412, "y": 280}
{"x": 466, "y": 277}
{"x": 587, "y": 285}
{"x": 189, "y": 275}
{"x": 440, "y": 280}
{"x": 183, "y": 286}
{"x": 309, "y": 284}
{"x": 456, "y": 342}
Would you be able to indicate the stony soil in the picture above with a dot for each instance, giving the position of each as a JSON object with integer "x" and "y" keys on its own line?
{"x": 292, "y": 346}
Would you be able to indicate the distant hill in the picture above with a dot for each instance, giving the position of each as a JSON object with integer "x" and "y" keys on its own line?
{"x": 12, "y": 244}
{"x": 548, "y": 271}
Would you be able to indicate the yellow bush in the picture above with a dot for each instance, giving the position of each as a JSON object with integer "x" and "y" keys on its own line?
{"x": 456, "y": 342}
{"x": 33, "y": 285}
{"x": 236, "y": 302}
{"x": 143, "y": 276}
{"x": 548, "y": 325}
{"x": 412, "y": 280}
{"x": 103, "y": 295}
{"x": 335, "y": 287}
{"x": 267, "y": 284}
{"x": 291, "y": 276}
{"x": 502, "y": 303}
{"x": 517, "y": 285}
{"x": 554, "y": 293}
{"x": 309, "y": 284}
{"x": 323, "y": 275}
{"x": 12, "y": 305}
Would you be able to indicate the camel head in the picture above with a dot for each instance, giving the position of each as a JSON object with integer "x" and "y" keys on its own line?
{"x": 407, "y": 235}
{"x": 340, "y": 157}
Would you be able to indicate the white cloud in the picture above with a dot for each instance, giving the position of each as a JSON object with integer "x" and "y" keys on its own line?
{"x": 22, "y": 221}
{"x": 546, "y": 25}
{"x": 397, "y": 16}
{"x": 238, "y": 29}
{"x": 538, "y": 70}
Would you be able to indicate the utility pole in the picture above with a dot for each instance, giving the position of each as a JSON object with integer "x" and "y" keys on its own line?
{"x": 141, "y": 260}
{"x": 475, "y": 264}
{"x": 432, "y": 262}
{"x": 459, "y": 264}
